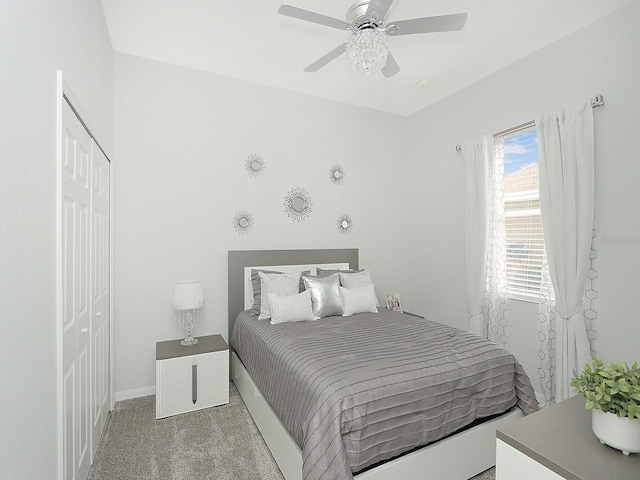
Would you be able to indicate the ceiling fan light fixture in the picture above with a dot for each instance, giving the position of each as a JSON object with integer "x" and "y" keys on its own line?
{"x": 367, "y": 50}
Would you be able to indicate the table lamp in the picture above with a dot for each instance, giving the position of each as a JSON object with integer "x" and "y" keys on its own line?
{"x": 188, "y": 302}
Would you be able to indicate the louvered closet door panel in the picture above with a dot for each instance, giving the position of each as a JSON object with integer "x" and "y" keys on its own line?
{"x": 76, "y": 271}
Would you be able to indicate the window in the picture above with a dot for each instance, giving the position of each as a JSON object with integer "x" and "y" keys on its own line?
{"x": 523, "y": 223}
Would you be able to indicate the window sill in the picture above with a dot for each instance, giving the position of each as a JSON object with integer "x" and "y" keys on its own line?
{"x": 524, "y": 298}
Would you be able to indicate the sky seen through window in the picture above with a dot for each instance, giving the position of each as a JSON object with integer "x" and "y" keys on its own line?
{"x": 520, "y": 150}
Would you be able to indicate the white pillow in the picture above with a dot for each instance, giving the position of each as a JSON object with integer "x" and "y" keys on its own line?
{"x": 283, "y": 284}
{"x": 356, "y": 280}
{"x": 358, "y": 300}
{"x": 293, "y": 308}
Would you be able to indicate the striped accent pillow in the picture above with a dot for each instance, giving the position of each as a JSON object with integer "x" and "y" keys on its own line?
{"x": 292, "y": 308}
{"x": 279, "y": 283}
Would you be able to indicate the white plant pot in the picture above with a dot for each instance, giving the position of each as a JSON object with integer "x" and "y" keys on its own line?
{"x": 621, "y": 433}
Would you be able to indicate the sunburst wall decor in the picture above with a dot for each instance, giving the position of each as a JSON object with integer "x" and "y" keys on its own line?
{"x": 255, "y": 165}
{"x": 297, "y": 204}
{"x": 243, "y": 222}
{"x": 336, "y": 174}
{"x": 345, "y": 224}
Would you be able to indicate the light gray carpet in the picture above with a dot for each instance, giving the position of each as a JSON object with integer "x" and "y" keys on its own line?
{"x": 220, "y": 443}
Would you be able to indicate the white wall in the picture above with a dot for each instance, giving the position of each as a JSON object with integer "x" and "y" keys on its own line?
{"x": 182, "y": 138}
{"x": 600, "y": 59}
{"x": 38, "y": 38}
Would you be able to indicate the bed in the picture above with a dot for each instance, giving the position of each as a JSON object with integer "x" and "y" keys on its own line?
{"x": 352, "y": 394}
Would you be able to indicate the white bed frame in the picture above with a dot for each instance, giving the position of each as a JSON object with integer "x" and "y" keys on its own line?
{"x": 457, "y": 457}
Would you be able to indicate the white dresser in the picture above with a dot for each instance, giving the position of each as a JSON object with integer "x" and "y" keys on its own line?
{"x": 191, "y": 378}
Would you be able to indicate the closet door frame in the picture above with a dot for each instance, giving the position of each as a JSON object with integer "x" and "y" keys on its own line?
{"x": 63, "y": 90}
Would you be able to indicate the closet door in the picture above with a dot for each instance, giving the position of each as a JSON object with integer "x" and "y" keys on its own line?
{"x": 76, "y": 305}
{"x": 100, "y": 250}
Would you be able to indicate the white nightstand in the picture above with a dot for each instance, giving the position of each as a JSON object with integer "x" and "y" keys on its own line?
{"x": 191, "y": 378}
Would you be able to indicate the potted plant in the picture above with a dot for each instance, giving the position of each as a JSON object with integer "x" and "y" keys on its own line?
{"x": 612, "y": 393}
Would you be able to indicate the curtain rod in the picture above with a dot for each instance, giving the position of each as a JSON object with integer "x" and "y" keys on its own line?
{"x": 596, "y": 101}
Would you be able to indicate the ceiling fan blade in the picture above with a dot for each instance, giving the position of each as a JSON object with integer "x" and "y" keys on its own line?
{"x": 302, "y": 14}
{"x": 322, "y": 61}
{"x": 391, "y": 67}
{"x": 379, "y": 8}
{"x": 441, "y": 23}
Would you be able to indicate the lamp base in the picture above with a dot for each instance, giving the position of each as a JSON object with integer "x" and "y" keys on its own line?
{"x": 189, "y": 341}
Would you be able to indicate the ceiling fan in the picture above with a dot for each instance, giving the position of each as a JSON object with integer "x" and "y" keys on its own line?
{"x": 366, "y": 49}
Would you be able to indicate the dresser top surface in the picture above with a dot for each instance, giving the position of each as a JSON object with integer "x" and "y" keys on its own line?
{"x": 560, "y": 438}
{"x": 206, "y": 344}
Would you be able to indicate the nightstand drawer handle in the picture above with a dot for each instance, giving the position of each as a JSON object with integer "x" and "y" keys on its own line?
{"x": 194, "y": 382}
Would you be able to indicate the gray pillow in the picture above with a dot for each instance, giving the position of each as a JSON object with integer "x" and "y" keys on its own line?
{"x": 325, "y": 295}
{"x": 358, "y": 279}
{"x": 257, "y": 294}
{"x": 321, "y": 272}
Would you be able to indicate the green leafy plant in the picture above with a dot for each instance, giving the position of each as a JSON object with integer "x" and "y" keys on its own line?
{"x": 614, "y": 388}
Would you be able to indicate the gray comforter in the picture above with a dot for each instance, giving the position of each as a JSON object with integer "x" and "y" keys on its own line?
{"x": 354, "y": 391}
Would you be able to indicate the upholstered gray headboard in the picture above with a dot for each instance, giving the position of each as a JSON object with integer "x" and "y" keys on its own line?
{"x": 239, "y": 259}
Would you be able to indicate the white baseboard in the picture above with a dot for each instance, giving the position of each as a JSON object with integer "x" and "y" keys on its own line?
{"x": 135, "y": 393}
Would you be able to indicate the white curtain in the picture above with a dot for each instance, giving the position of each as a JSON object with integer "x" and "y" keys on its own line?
{"x": 547, "y": 321}
{"x": 495, "y": 295}
{"x": 485, "y": 239}
{"x": 546, "y": 335}
{"x": 478, "y": 162}
{"x": 566, "y": 157}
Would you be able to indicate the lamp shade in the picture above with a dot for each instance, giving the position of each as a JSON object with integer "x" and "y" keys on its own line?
{"x": 187, "y": 295}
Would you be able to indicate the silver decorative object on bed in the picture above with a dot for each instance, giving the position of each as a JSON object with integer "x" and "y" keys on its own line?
{"x": 243, "y": 222}
{"x": 297, "y": 204}
{"x": 255, "y": 165}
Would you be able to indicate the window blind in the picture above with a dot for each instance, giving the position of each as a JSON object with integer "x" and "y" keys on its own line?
{"x": 523, "y": 222}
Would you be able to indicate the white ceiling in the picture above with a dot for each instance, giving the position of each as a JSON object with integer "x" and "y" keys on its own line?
{"x": 248, "y": 40}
